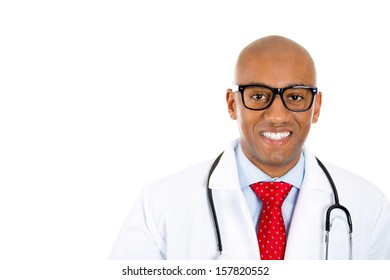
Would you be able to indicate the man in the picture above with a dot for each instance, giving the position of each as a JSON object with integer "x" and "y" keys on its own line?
{"x": 275, "y": 101}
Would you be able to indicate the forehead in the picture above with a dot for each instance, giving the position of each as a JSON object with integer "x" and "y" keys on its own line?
{"x": 275, "y": 68}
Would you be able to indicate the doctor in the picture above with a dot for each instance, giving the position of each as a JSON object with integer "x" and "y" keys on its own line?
{"x": 172, "y": 218}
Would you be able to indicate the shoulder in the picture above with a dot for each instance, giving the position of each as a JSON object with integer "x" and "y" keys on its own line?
{"x": 177, "y": 195}
{"x": 348, "y": 184}
{"x": 353, "y": 184}
{"x": 346, "y": 175}
{"x": 183, "y": 182}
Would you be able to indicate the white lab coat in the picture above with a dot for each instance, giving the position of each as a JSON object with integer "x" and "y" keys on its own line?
{"x": 172, "y": 218}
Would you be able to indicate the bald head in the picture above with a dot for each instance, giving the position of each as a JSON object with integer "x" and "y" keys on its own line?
{"x": 274, "y": 56}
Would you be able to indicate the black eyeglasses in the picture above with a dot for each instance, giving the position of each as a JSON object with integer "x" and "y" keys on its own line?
{"x": 295, "y": 98}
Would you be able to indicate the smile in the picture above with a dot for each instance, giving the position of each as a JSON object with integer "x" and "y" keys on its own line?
{"x": 276, "y": 135}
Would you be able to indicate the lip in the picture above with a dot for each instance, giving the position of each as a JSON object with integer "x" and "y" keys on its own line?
{"x": 273, "y": 137}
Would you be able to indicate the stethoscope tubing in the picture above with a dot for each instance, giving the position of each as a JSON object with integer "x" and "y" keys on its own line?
{"x": 211, "y": 201}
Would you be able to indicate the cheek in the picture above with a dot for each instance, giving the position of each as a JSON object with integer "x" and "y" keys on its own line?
{"x": 247, "y": 121}
{"x": 305, "y": 122}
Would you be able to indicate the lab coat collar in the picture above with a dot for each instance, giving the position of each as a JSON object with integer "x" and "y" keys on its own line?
{"x": 314, "y": 174}
{"x": 225, "y": 175}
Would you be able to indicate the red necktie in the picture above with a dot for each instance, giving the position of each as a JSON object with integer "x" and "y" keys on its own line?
{"x": 271, "y": 232}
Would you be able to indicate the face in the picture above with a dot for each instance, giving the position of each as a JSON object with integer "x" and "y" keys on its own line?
{"x": 273, "y": 138}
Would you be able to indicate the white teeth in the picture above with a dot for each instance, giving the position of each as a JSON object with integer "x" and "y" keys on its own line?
{"x": 276, "y": 136}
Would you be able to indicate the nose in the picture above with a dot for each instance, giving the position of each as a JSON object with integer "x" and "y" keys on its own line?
{"x": 277, "y": 112}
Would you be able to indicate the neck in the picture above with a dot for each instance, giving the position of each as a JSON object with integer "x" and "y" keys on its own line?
{"x": 273, "y": 167}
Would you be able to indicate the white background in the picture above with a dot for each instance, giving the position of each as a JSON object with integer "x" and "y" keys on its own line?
{"x": 98, "y": 98}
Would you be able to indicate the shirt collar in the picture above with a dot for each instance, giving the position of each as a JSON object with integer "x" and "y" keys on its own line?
{"x": 248, "y": 173}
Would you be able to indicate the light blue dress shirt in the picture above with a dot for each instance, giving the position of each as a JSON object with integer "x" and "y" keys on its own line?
{"x": 248, "y": 174}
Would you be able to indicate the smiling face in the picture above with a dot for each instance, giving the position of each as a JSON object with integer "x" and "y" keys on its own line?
{"x": 273, "y": 138}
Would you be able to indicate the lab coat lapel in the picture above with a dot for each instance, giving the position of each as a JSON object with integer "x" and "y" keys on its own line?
{"x": 237, "y": 231}
{"x": 307, "y": 229}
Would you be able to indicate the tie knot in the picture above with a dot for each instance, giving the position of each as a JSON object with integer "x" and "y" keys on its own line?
{"x": 273, "y": 193}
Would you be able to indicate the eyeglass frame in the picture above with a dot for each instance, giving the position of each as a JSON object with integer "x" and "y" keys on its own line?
{"x": 277, "y": 91}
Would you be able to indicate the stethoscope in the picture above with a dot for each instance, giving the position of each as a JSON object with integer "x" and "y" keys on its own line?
{"x": 328, "y": 223}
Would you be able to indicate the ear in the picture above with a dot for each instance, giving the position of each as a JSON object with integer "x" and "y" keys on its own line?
{"x": 231, "y": 103}
{"x": 317, "y": 107}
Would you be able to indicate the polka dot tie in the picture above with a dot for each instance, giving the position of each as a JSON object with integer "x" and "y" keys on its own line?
{"x": 271, "y": 233}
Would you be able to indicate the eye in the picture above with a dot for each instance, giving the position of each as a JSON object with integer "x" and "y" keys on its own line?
{"x": 295, "y": 98}
{"x": 297, "y": 94}
{"x": 258, "y": 96}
